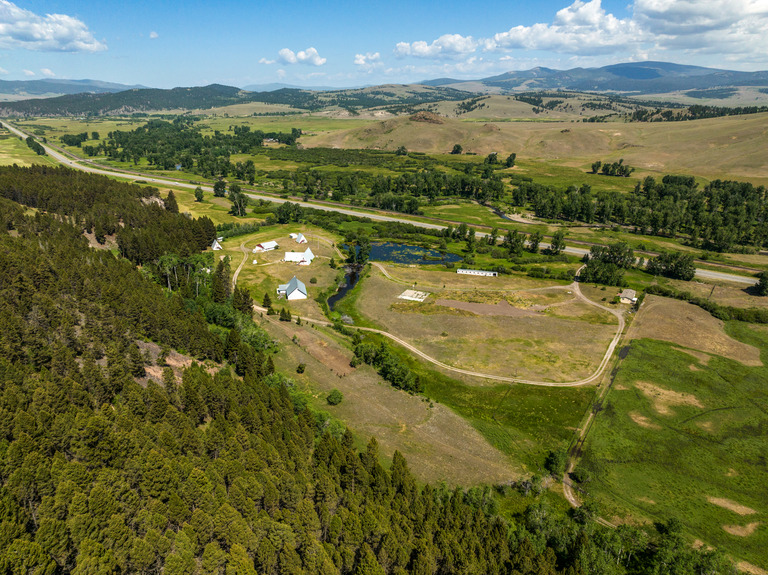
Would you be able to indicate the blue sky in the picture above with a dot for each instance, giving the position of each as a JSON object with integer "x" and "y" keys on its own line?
{"x": 167, "y": 44}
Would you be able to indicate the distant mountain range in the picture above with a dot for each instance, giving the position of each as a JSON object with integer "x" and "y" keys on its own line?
{"x": 276, "y": 86}
{"x": 15, "y": 89}
{"x": 91, "y": 97}
{"x": 632, "y": 77}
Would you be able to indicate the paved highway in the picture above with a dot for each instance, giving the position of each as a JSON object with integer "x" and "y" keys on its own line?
{"x": 87, "y": 167}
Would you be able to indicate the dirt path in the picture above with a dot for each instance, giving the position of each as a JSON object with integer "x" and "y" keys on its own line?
{"x": 574, "y": 286}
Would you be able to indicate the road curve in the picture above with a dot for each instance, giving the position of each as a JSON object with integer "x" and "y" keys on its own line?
{"x": 574, "y": 286}
{"x": 85, "y": 167}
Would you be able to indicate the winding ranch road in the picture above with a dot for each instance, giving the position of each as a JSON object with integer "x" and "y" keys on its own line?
{"x": 86, "y": 167}
{"x": 574, "y": 286}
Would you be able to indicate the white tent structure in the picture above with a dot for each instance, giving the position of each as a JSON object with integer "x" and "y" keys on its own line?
{"x": 215, "y": 246}
{"x": 300, "y": 239}
{"x": 294, "y": 289}
{"x": 302, "y": 258}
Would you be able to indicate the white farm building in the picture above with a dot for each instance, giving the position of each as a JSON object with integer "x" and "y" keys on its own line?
{"x": 294, "y": 289}
{"x": 300, "y": 239}
{"x": 477, "y": 273}
{"x": 302, "y": 258}
{"x": 265, "y": 247}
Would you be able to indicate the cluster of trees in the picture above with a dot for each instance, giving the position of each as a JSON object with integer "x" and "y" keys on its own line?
{"x": 612, "y": 169}
{"x": 145, "y": 226}
{"x": 695, "y": 112}
{"x": 35, "y": 146}
{"x": 606, "y": 264}
{"x": 718, "y": 216}
{"x": 167, "y": 145}
{"x": 74, "y": 139}
{"x": 389, "y": 366}
{"x": 676, "y": 265}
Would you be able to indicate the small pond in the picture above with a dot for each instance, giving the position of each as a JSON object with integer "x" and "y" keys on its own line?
{"x": 406, "y": 254}
{"x": 393, "y": 252}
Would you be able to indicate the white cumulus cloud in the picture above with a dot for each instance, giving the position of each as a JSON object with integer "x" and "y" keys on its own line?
{"x": 581, "y": 28}
{"x": 714, "y": 31}
{"x": 20, "y": 28}
{"x": 47, "y": 72}
{"x": 309, "y": 56}
{"x": 368, "y": 61}
{"x": 3, "y": 71}
{"x": 153, "y": 35}
{"x": 28, "y": 72}
{"x": 446, "y": 46}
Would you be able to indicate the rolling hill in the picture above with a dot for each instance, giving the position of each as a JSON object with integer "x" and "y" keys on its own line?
{"x": 633, "y": 77}
{"x": 11, "y": 90}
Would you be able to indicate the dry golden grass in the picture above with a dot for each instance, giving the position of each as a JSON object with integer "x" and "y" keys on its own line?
{"x": 689, "y": 326}
{"x": 664, "y": 398}
{"x": 642, "y": 420}
{"x": 535, "y": 346}
{"x": 731, "y": 147}
{"x": 725, "y": 293}
{"x": 731, "y": 506}
{"x": 438, "y": 444}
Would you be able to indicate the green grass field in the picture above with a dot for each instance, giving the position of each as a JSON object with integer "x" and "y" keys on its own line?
{"x": 677, "y": 434}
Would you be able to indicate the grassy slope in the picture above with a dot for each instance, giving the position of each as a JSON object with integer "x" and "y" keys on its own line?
{"x": 670, "y": 467}
{"x": 715, "y": 148}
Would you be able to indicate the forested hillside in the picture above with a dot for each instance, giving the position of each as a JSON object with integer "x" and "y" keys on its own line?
{"x": 220, "y": 470}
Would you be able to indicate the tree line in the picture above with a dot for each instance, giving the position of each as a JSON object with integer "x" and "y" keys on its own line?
{"x": 719, "y": 216}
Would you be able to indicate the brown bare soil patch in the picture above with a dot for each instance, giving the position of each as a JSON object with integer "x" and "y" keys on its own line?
{"x": 742, "y": 530}
{"x": 663, "y": 398}
{"x": 427, "y": 117}
{"x": 745, "y": 567}
{"x": 706, "y": 425}
{"x": 731, "y": 505}
{"x": 109, "y": 241}
{"x": 694, "y": 367}
{"x": 642, "y": 421}
{"x": 501, "y": 309}
{"x": 647, "y": 500}
{"x": 732, "y": 473}
{"x": 689, "y": 326}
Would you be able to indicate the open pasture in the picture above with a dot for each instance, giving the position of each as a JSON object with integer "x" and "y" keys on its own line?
{"x": 439, "y": 444}
{"x": 531, "y": 344}
{"x": 15, "y": 151}
{"x": 683, "y": 434}
{"x": 689, "y": 326}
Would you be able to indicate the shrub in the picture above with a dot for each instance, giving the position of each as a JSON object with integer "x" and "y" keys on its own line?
{"x": 301, "y": 367}
{"x": 335, "y": 397}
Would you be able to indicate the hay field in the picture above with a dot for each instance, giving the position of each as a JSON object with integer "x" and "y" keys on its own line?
{"x": 15, "y": 151}
{"x": 532, "y": 345}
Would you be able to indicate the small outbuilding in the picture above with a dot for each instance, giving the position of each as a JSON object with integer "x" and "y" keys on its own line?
{"x": 294, "y": 289}
{"x": 265, "y": 247}
{"x": 302, "y": 258}
{"x": 216, "y": 246}
{"x": 477, "y": 273}
{"x": 628, "y": 296}
{"x": 300, "y": 239}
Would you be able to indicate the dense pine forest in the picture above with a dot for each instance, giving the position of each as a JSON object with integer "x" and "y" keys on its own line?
{"x": 219, "y": 468}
